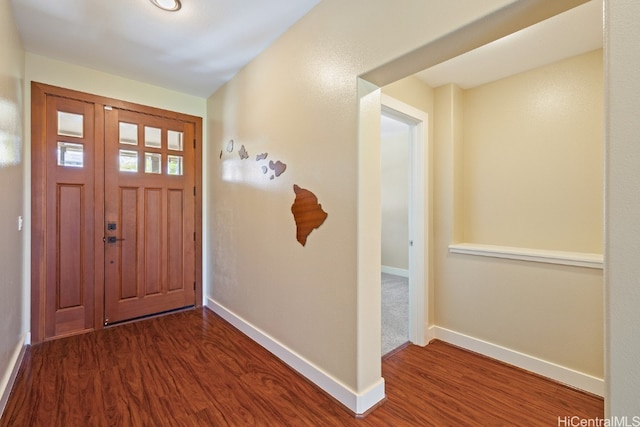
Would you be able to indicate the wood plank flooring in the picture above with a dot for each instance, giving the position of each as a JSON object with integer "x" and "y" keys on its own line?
{"x": 194, "y": 369}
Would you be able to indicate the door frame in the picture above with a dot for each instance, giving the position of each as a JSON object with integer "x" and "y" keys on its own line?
{"x": 39, "y": 93}
{"x": 419, "y": 213}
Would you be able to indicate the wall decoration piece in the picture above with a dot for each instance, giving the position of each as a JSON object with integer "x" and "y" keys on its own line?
{"x": 243, "y": 153}
{"x": 307, "y": 213}
{"x": 278, "y": 167}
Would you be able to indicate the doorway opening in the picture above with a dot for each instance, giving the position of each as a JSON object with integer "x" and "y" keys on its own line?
{"x": 404, "y": 258}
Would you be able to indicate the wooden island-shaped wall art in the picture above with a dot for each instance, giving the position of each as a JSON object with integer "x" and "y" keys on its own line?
{"x": 307, "y": 212}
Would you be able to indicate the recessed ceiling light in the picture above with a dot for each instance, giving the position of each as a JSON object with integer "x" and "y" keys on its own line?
{"x": 169, "y": 5}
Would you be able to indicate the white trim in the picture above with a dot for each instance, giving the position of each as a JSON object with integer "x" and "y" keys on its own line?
{"x": 9, "y": 377}
{"x": 545, "y": 368}
{"x": 402, "y": 272}
{"x": 420, "y": 202}
{"x": 359, "y": 403}
{"x": 577, "y": 259}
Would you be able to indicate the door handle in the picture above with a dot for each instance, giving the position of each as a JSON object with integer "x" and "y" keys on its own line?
{"x": 113, "y": 239}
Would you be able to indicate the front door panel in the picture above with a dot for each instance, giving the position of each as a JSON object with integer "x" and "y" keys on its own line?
{"x": 149, "y": 215}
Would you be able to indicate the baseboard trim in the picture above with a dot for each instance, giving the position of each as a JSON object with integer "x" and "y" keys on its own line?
{"x": 395, "y": 271}
{"x": 358, "y": 403}
{"x": 10, "y": 377}
{"x": 547, "y": 369}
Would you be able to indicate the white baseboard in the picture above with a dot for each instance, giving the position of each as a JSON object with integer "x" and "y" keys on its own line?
{"x": 547, "y": 369}
{"x": 395, "y": 271}
{"x": 9, "y": 377}
{"x": 358, "y": 403}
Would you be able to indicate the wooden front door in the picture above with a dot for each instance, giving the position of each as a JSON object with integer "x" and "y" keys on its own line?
{"x": 116, "y": 217}
{"x": 149, "y": 215}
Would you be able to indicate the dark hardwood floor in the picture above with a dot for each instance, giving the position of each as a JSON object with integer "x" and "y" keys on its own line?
{"x": 194, "y": 369}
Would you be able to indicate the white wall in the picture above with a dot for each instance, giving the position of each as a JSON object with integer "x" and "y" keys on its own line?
{"x": 12, "y": 165}
{"x": 622, "y": 224}
{"x": 394, "y": 196}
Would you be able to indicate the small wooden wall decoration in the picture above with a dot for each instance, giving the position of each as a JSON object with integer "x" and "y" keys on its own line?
{"x": 307, "y": 213}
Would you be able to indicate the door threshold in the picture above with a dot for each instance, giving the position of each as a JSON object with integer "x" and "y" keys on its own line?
{"x": 395, "y": 350}
{"x": 151, "y": 316}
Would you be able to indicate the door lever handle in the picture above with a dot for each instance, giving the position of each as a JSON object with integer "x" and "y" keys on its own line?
{"x": 113, "y": 239}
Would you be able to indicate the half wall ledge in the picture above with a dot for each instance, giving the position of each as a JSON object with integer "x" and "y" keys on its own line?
{"x": 576, "y": 259}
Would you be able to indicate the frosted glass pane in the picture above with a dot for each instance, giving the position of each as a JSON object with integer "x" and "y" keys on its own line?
{"x": 174, "y": 165}
{"x": 174, "y": 140}
{"x": 70, "y": 155}
{"x": 152, "y": 137}
{"x": 128, "y": 161}
{"x": 70, "y": 124}
{"x": 152, "y": 163}
{"x": 128, "y": 133}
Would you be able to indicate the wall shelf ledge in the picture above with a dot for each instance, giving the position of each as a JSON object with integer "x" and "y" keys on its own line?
{"x": 577, "y": 259}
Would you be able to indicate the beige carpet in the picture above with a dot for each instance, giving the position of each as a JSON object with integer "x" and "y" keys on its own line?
{"x": 395, "y": 312}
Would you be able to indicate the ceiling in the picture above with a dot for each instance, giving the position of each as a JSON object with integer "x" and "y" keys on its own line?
{"x": 579, "y": 30}
{"x": 194, "y": 50}
{"x": 203, "y": 45}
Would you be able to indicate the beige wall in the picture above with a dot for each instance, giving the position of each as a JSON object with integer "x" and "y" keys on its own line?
{"x": 394, "y": 198}
{"x": 550, "y": 312}
{"x": 533, "y": 158}
{"x": 57, "y": 73}
{"x": 298, "y": 102}
{"x": 414, "y": 92}
{"x": 12, "y": 165}
{"x": 622, "y": 242}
